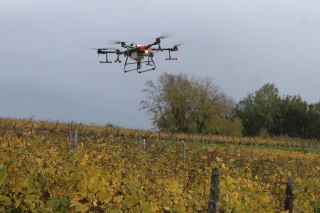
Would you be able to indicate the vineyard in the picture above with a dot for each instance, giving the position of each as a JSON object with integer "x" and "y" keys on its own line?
{"x": 40, "y": 170}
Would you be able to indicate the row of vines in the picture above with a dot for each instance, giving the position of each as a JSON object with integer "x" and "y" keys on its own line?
{"x": 110, "y": 172}
{"x": 96, "y": 131}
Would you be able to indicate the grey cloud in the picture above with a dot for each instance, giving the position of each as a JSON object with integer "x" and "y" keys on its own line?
{"x": 46, "y": 69}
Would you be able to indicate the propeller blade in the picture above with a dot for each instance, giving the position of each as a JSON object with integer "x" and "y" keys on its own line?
{"x": 177, "y": 45}
{"x": 164, "y": 36}
{"x": 117, "y": 42}
{"x": 102, "y": 48}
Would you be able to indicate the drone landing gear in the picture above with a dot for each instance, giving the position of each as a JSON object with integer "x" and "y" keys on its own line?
{"x": 170, "y": 57}
{"x": 106, "y": 59}
{"x": 139, "y": 63}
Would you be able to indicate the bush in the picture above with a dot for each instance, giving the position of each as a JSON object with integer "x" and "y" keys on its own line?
{"x": 263, "y": 133}
{"x": 233, "y": 128}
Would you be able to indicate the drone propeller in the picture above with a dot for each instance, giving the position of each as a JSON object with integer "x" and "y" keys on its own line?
{"x": 177, "y": 45}
{"x": 103, "y": 48}
{"x": 164, "y": 36}
{"x": 118, "y": 42}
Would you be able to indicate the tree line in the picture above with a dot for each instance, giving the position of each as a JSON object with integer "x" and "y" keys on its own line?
{"x": 266, "y": 112}
{"x": 183, "y": 103}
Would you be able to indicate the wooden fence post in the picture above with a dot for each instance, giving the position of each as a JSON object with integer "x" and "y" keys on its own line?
{"x": 288, "y": 205}
{"x": 141, "y": 142}
{"x": 214, "y": 191}
{"x": 26, "y": 141}
{"x": 75, "y": 138}
{"x": 184, "y": 152}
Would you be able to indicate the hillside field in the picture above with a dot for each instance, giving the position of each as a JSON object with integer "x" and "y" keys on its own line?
{"x": 111, "y": 171}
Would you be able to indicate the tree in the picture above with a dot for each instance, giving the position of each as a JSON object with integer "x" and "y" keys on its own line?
{"x": 267, "y": 101}
{"x": 178, "y": 96}
{"x": 155, "y": 103}
{"x": 205, "y": 102}
{"x": 294, "y": 114}
{"x": 179, "y": 102}
{"x": 245, "y": 110}
{"x": 259, "y": 111}
{"x": 312, "y": 122}
{"x": 265, "y": 112}
{"x": 167, "y": 101}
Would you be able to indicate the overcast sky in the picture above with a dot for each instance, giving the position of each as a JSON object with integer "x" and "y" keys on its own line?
{"x": 47, "y": 71}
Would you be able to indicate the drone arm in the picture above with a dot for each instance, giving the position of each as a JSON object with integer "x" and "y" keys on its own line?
{"x": 105, "y": 52}
{"x": 158, "y": 41}
{"x": 169, "y": 50}
{"x": 150, "y": 45}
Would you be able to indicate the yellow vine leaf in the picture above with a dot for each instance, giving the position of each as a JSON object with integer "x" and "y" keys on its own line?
{"x": 118, "y": 199}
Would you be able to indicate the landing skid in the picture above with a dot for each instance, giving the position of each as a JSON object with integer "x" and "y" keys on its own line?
{"x": 139, "y": 63}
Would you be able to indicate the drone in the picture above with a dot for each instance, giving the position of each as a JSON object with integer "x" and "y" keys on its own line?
{"x": 138, "y": 53}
